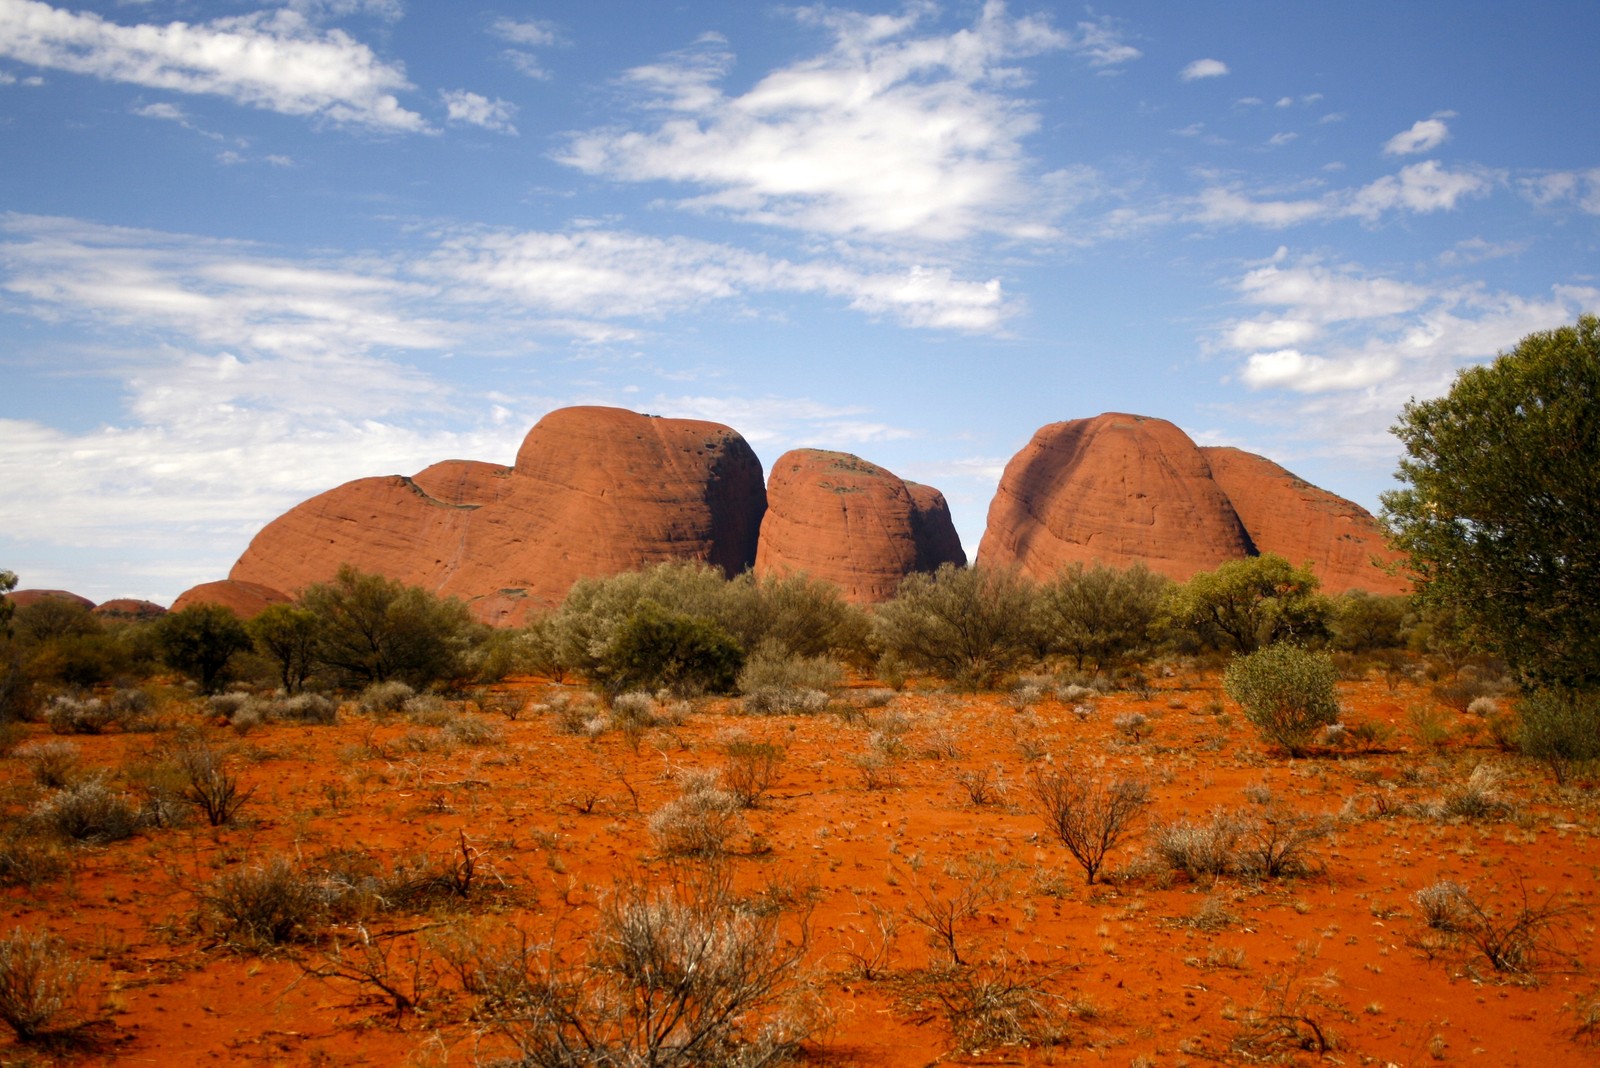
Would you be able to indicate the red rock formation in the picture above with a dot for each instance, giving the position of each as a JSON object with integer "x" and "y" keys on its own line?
{"x": 838, "y": 518}
{"x": 245, "y": 599}
{"x": 1115, "y": 489}
{"x": 1291, "y": 517}
{"x": 594, "y": 491}
{"x": 24, "y": 598}
{"x": 127, "y": 608}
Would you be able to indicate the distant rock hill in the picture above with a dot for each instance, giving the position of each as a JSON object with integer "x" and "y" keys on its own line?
{"x": 596, "y": 491}
{"x": 1120, "y": 489}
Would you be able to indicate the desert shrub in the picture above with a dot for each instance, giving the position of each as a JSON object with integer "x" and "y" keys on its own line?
{"x": 1087, "y": 814}
{"x": 633, "y": 709}
{"x": 287, "y": 635}
{"x": 1561, "y": 729}
{"x": 374, "y": 629}
{"x": 385, "y": 698}
{"x": 39, "y": 984}
{"x": 750, "y": 768}
{"x": 1466, "y": 686}
{"x": 26, "y": 860}
{"x": 1201, "y": 851}
{"x": 1275, "y": 843}
{"x": 228, "y": 705}
{"x": 88, "y": 811}
{"x": 1287, "y": 692}
{"x": 472, "y": 731}
{"x": 1100, "y": 616}
{"x": 209, "y": 784}
{"x": 970, "y": 626}
{"x": 582, "y": 631}
{"x": 784, "y": 701}
{"x": 1247, "y": 604}
{"x": 656, "y": 649}
{"x": 1439, "y": 905}
{"x": 773, "y": 667}
{"x": 1477, "y": 798}
{"x": 266, "y": 905}
{"x": 1360, "y": 622}
{"x": 52, "y": 764}
{"x": 700, "y": 822}
{"x": 427, "y": 709}
{"x": 673, "y": 978}
{"x": 1515, "y": 933}
{"x": 801, "y": 616}
{"x": 80, "y": 715}
{"x": 993, "y": 1003}
{"x": 1133, "y": 726}
{"x": 309, "y": 708}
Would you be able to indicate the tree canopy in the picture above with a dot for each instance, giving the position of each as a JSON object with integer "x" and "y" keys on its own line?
{"x": 1500, "y": 511}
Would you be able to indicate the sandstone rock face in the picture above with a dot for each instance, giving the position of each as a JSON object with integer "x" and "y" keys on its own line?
{"x": 1115, "y": 489}
{"x": 1291, "y": 517}
{"x": 127, "y": 608}
{"x": 244, "y": 599}
{"x": 594, "y": 491}
{"x": 24, "y": 598}
{"x": 844, "y": 520}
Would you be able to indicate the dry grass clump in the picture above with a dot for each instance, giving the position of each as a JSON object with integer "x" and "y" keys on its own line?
{"x": 39, "y": 985}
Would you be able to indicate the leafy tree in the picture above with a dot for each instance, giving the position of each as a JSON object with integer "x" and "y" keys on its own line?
{"x": 582, "y": 631}
{"x": 1287, "y": 692}
{"x": 52, "y": 618}
{"x": 1100, "y": 614}
{"x": 971, "y": 625}
{"x": 373, "y": 629}
{"x": 1500, "y": 513}
{"x": 1249, "y": 603}
{"x": 807, "y": 617}
{"x": 656, "y": 648}
{"x": 1560, "y": 727}
{"x": 200, "y": 640}
{"x": 1361, "y": 622}
{"x": 287, "y": 635}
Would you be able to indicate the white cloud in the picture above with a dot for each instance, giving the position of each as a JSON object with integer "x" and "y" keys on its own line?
{"x": 1578, "y": 187}
{"x": 888, "y": 134}
{"x": 533, "y": 32}
{"x": 275, "y": 60}
{"x": 1203, "y": 68}
{"x": 1311, "y": 293}
{"x": 1425, "y": 135}
{"x": 475, "y": 110}
{"x": 1420, "y": 188}
{"x": 1100, "y": 43}
{"x": 1278, "y": 140}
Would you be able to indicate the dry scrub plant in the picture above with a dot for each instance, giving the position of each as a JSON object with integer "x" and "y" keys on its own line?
{"x": 38, "y": 985}
{"x": 1088, "y": 814}
{"x": 674, "y": 978}
{"x": 1517, "y": 938}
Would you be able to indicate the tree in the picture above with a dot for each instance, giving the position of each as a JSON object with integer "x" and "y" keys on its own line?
{"x": 657, "y": 648}
{"x": 1287, "y": 692}
{"x": 200, "y": 640}
{"x": 1101, "y": 614}
{"x": 8, "y": 582}
{"x": 1500, "y": 513}
{"x": 1250, "y": 603}
{"x": 971, "y": 625}
{"x": 287, "y": 635}
{"x": 373, "y": 629}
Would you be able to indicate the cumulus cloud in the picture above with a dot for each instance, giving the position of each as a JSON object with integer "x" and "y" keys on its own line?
{"x": 275, "y": 60}
{"x": 475, "y": 110}
{"x": 891, "y": 133}
{"x": 1425, "y": 135}
{"x": 1203, "y": 68}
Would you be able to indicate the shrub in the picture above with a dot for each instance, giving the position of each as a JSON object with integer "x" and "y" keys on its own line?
{"x": 287, "y": 635}
{"x": 88, "y": 811}
{"x": 971, "y": 626}
{"x": 658, "y": 649}
{"x": 210, "y": 785}
{"x": 385, "y": 698}
{"x": 80, "y": 715}
{"x": 373, "y": 629}
{"x": 700, "y": 822}
{"x": 1100, "y": 616}
{"x": 772, "y": 667}
{"x": 200, "y": 641}
{"x": 1516, "y": 934}
{"x": 1287, "y": 692}
{"x": 1087, "y": 814}
{"x": 784, "y": 701}
{"x": 1202, "y": 851}
{"x": 1561, "y": 729}
{"x": 672, "y": 978}
{"x": 311, "y": 708}
{"x": 38, "y": 984}
{"x": 1248, "y": 604}
{"x": 799, "y": 615}
{"x": 268, "y": 905}
{"x": 53, "y": 764}
{"x": 750, "y": 769}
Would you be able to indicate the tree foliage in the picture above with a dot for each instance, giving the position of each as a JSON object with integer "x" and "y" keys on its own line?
{"x": 287, "y": 634}
{"x": 1250, "y": 603}
{"x": 970, "y": 625}
{"x": 200, "y": 641}
{"x": 1100, "y": 615}
{"x": 656, "y": 648}
{"x": 373, "y": 629}
{"x": 1500, "y": 513}
{"x": 8, "y": 582}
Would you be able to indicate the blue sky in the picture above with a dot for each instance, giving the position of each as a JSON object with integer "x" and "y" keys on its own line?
{"x": 250, "y": 251}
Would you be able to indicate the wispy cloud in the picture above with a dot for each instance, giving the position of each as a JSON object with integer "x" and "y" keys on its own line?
{"x": 275, "y": 60}
{"x": 889, "y": 134}
{"x": 527, "y": 34}
{"x": 1580, "y": 188}
{"x": 1203, "y": 68}
{"x": 1419, "y": 188}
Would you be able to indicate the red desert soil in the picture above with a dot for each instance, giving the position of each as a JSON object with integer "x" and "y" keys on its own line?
{"x": 1149, "y": 969}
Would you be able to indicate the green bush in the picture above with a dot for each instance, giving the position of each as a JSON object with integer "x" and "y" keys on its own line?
{"x": 374, "y": 629}
{"x": 659, "y": 649}
{"x": 1287, "y": 692}
{"x": 1100, "y": 616}
{"x": 200, "y": 641}
{"x": 1247, "y": 604}
{"x": 971, "y": 626}
{"x": 1561, "y": 728}
{"x": 803, "y": 616}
